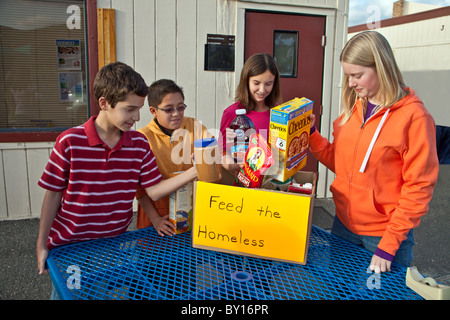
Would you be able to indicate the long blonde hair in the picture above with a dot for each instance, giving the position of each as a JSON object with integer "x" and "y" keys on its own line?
{"x": 371, "y": 49}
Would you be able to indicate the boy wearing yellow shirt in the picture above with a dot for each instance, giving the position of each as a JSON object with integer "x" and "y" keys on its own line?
{"x": 171, "y": 136}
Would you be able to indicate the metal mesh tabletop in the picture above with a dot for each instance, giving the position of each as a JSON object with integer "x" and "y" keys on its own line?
{"x": 142, "y": 265}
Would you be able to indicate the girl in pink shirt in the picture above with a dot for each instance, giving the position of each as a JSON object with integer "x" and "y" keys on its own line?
{"x": 258, "y": 91}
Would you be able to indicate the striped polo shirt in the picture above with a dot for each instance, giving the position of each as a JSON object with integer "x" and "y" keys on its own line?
{"x": 98, "y": 184}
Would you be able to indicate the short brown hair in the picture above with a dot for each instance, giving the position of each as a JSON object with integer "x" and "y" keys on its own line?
{"x": 116, "y": 80}
{"x": 256, "y": 65}
{"x": 159, "y": 89}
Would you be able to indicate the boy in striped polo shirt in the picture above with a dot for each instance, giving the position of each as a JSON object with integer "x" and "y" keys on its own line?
{"x": 95, "y": 169}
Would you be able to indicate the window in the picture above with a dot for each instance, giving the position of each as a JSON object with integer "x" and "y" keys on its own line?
{"x": 285, "y": 52}
{"x": 43, "y": 78}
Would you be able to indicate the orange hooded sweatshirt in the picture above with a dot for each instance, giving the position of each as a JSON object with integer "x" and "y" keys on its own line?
{"x": 386, "y": 195}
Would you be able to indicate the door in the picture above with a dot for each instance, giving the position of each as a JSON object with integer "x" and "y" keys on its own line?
{"x": 296, "y": 42}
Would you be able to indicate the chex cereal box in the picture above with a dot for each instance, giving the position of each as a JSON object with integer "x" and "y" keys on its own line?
{"x": 289, "y": 135}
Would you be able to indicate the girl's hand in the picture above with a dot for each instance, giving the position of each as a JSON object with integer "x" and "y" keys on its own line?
{"x": 312, "y": 117}
{"x": 235, "y": 168}
{"x": 229, "y": 164}
{"x": 230, "y": 135}
{"x": 379, "y": 264}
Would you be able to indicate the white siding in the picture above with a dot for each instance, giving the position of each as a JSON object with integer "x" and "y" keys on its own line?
{"x": 186, "y": 64}
{"x": 166, "y": 39}
{"x": 169, "y": 42}
{"x": 170, "y": 36}
{"x": 422, "y": 52}
{"x": 21, "y": 167}
{"x": 145, "y": 45}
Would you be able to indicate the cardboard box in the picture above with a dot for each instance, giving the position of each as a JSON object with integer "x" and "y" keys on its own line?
{"x": 181, "y": 208}
{"x": 261, "y": 223}
{"x": 289, "y": 136}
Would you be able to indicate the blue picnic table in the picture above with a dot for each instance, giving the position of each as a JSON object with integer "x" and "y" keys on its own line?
{"x": 143, "y": 265}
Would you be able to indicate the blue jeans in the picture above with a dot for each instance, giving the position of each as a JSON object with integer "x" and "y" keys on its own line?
{"x": 403, "y": 256}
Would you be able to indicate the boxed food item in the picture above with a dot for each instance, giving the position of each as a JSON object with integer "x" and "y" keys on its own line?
{"x": 272, "y": 184}
{"x": 289, "y": 135}
{"x": 180, "y": 208}
{"x": 257, "y": 160}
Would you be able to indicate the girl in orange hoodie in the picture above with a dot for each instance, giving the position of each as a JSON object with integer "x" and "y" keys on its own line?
{"x": 383, "y": 154}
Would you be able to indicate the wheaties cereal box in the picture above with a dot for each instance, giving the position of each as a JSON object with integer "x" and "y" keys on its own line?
{"x": 289, "y": 135}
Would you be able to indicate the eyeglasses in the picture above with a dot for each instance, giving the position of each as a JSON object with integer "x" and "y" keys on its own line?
{"x": 172, "y": 109}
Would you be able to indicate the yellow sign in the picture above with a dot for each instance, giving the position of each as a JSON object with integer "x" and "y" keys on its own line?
{"x": 253, "y": 222}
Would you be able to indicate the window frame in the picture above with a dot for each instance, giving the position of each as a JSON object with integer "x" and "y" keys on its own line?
{"x": 42, "y": 135}
{"x": 296, "y": 55}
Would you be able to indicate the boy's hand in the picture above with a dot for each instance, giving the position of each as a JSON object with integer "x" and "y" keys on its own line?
{"x": 50, "y": 205}
{"x": 163, "y": 226}
{"x": 42, "y": 254}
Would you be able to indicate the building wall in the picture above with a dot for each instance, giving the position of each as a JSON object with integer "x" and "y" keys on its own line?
{"x": 21, "y": 166}
{"x": 421, "y": 49}
{"x": 414, "y": 7}
{"x": 402, "y": 7}
{"x": 166, "y": 39}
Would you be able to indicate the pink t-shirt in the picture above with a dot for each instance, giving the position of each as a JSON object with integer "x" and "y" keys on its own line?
{"x": 261, "y": 120}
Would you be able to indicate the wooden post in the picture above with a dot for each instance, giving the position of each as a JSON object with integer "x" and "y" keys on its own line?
{"x": 106, "y": 28}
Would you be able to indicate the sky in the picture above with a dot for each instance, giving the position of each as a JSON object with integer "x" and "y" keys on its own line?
{"x": 362, "y": 11}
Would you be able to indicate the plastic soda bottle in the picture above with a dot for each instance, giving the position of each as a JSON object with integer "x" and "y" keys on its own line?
{"x": 241, "y": 124}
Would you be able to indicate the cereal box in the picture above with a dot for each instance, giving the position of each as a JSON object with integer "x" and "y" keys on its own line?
{"x": 257, "y": 160}
{"x": 289, "y": 135}
{"x": 180, "y": 208}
